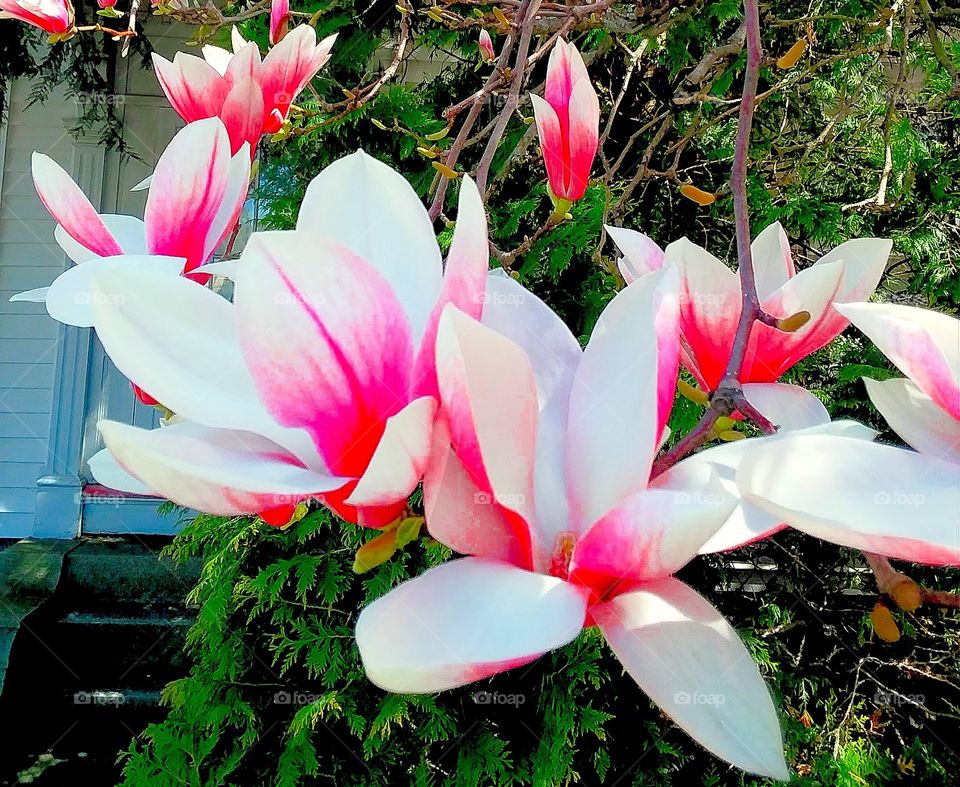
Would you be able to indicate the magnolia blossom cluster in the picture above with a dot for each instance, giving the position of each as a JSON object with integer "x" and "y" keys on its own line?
{"x": 354, "y": 363}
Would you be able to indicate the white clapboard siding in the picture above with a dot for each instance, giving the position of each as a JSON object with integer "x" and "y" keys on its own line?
{"x": 28, "y": 258}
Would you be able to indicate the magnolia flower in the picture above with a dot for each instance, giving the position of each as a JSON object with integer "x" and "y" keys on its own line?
{"x": 318, "y": 381}
{"x": 251, "y": 97}
{"x": 547, "y": 488}
{"x": 279, "y": 16}
{"x": 487, "y": 52}
{"x": 568, "y": 121}
{"x": 710, "y": 298}
{"x": 106, "y": 3}
{"x": 195, "y": 198}
{"x": 879, "y": 498}
{"x": 52, "y": 16}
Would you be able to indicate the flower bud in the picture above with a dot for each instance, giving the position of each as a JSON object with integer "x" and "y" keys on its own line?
{"x": 487, "y": 54}
{"x": 883, "y": 623}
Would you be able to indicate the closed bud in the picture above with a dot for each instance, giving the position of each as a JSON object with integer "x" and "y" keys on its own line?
{"x": 731, "y": 436}
{"x": 693, "y": 393}
{"x": 375, "y": 552}
{"x": 444, "y": 170}
{"x": 487, "y": 54}
{"x": 906, "y": 593}
{"x": 378, "y": 124}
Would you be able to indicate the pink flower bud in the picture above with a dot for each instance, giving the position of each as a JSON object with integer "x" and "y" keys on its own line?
{"x": 486, "y": 47}
{"x": 279, "y": 16}
{"x": 568, "y": 119}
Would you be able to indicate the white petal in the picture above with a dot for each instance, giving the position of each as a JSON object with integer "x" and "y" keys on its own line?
{"x": 106, "y": 470}
{"x": 691, "y": 662}
{"x": 789, "y": 407}
{"x": 863, "y": 495}
{"x": 72, "y": 296}
{"x": 364, "y": 205}
{"x": 621, "y": 397}
{"x": 914, "y": 416}
{"x": 463, "y": 621}
{"x": 641, "y": 255}
{"x": 772, "y": 260}
{"x": 38, "y": 295}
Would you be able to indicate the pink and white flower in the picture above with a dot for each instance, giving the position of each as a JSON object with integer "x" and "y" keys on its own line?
{"x": 251, "y": 96}
{"x": 53, "y": 16}
{"x": 319, "y": 380}
{"x": 568, "y": 121}
{"x": 546, "y": 487}
{"x": 874, "y": 497}
{"x": 195, "y": 198}
{"x": 710, "y": 299}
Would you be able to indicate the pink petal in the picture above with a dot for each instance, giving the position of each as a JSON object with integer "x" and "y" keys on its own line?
{"x": 326, "y": 342}
{"x": 924, "y": 345}
{"x": 463, "y": 621}
{"x": 215, "y": 471}
{"x": 691, "y": 662}
{"x": 914, "y": 416}
{"x": 71, "y": 208}
{"x": 584, "y": 137}
{"x": 244, "y": 65}
{"x": 555, "y": 158}
{"x": 710, "y": 305}
{"x": 191, "y": 85}
{"x": 401, "y": 456}
{"x": 462, "y": 515}
{"x": 858, "y": 494}
{"x": 621, "y": 397}
{"x": 242, "y": 114}
{"x": 187, "y": 192}
{"x": 655, "y": 532}
{"x": 490, "y": 400}
{"x": 279, "y": 16}
{"x": 561, "y": 76}
{"x": 290, "y": 65}
{"x": 463, "y": 281}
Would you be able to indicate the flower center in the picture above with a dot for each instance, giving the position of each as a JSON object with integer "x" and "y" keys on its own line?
{"x": 562, "y": 554}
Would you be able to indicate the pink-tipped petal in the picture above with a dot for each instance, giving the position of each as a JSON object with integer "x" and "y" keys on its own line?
{"x": 217, "y": 57}
{"x": 464, "y": 280}
{"x": 710, "y": 303}
{"x": 621, "y": 397}
{"x": 772, "y": 259}
{"x": 242, "y": 114}
{"x": 857, "y": 494}
{"x": 279, "y": 17}
{"x": 326, "y": 342}
{"x": 192, "y": 86}
{"x": 187, "y": 192}
{"x": 401, "y": 457}
{"x": 459, "y": 513}
{"x": 690, "y": 661}
{"x": 555, "y": 158}
{"x": 369, "y": 208}
{"x": 463, "y": 621}
{"x": 654, "y": 533}
{"x": 923, "y": 344}
{"x": 490, "y": 400}
{"x": 70, "y": 207}
{"x": 584, "y": 137}
{"x": 864, "y": 261}
{"x": 290, "y": 65}
{"x": 212, "y": 470}
{"x": 641, "y": 255}
{"x": 914, "y": 416}
{"x": 106, "y": 470}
